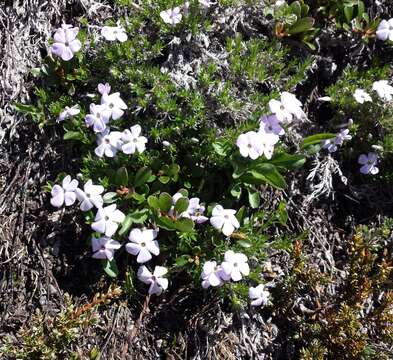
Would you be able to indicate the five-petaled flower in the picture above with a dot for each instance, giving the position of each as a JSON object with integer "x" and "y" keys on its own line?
{"x": 66, "y": 44}
{"x": 342, "y": 136}
{"x": 112, "y": 33}
{"x": 224, "y": 220}
{"x": 114, "y": 103}
{"x": 385, "y": 30}
{"x": 132, "y": 140}
{"x": 143, "y": 243}
{"x": 369, "y": 162}
{"x": 383, "y": 89}
{"x": 287, "y": 107}
{"x": 171, "y": 16}
{"x": 107, "y": 220}
{"x": 104, "y": 247}
{"x": 213, "y": 274}
{"x": 249, "y": 145}
{"x": 235, "y": 265}
{"x": 361, "y": 96}
{"x": 258, "y": 295}
{"x": 270, "y": 124}
{"x": 330, "y": 145}
{"x": 267, "y": 140}
{"x": 156, "y": 280}
{"x": 109, "y": 142}
{"x": 90, "y": 196}
{"x": 195, "y": 211}
{"x": 98, "y": 118}
{"x": 68, "y": 113}
{"x": 64, "y": 194}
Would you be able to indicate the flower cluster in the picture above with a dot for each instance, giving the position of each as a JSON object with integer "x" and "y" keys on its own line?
{"x": 331, "y": 144}
{"x": 381, "y": 87}
{"x": 174, "y": 15}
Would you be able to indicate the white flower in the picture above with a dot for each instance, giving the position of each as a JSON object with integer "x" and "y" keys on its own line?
{"x": 112, "y": 33}
{"x": 115, "y": 104}
{"x": 224, "y": 220}
{"x": 383, "y": 89}
{"x": 66, "y": 44}
{"x": 235, "y": 265}
{"x": 195, "y": 211}
{"x": 98, "y": 118}
{"x": 132, "y": 140}
{"x": 266, "y": 142}
{"x": 171, "y": 16}
{"x": 143, "y": 244}
{"x": 330, "y": 145}
{"x": 104, "y": 247}
{"x": 107, "y": 220}
{"x": 249, "y": 145}
{"x": 271, "y": 125}
{"x": 156, "y": 280}
{"x": 342, "y": 136}
{"x": 90, "y": 196}
{"x": 108, "y": 143}
{"x": 325, "y": 98}
{"x": 64, "y": 194}
{"x": 104, "y": 88}
{"x": 213, "y": 275}
{"x": 361, "y": 96}
{"x": 258, "y": 295}
{"x": 68, "y": 113}
{"x": 385, "y": 30}
{"x": 205, "y": 3}
{"x": 369, "y": 162}
{"x": 287, "y": 107}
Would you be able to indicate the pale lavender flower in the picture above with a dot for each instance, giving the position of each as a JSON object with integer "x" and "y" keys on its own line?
{"x": 205, "y": 3}
{"x": 195, "y": 211}
{"x": 156, "y": 280}
{"x": 266, "y": 142}
{"x": 385, "y": 30}
{"x": 143, "y": 243}
{"x": 104, "y": 88}
{"x": 342, "y": 136}
{"x": 213, "y": 275}
{"x": 171, "y": 16}
{"x": 235, "y": 265}
{"x": 115, "y": 104}
{"x": 64, "y": 194}
{"x": 68, "y": 113}
{"x": 270, "y": 124}
{"x": 133, "y": 141}
{"x": 66, "y": 44}
{"x": 104, "y": 247}
{"x": 109, "y": 142}
{"x": 258, "y": 295}
{"x": 98, "y": 118}
{"x": 107, "y": 220}
{"x": 224, "y": 220}
{"x": 369, "y": 162}
{"x": 90, "y": 196}
{"x": 330, "y": 145}
{"x": 112, "y": 33}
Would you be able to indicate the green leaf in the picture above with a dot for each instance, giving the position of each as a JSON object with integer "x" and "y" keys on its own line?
{"x": 26, "y": 109}
{"x": 241, "y": 213}
{"x": 296, "y": 9}
{"x": 182, "y": 260}
{"x": 121, "y": 176}
{"x": 316, "y": 139}
{"x": 125, "y": 225}
{"x": 184, "y": 225}
{"x": 173, "y": 170}
{"x": 164, "y": 179}
{"x": 288, "y": 161}
{"x": 139, "y": 198}
{"x": 165, "y": 202}
{"x": 348, "y": 12}
{"x": 73, "y": 135}
{"x": 153, "y": 202}
{"x": 236, "y": 191}
{"x": 302, "y": 25}
{"x": 181, "y": 205}
{"x": 244, "y": 244}
{"x": 109, "y": 197}
{"x": 110, "y": 267}
{"x": 265, "y": 173}
{"x": 282, "y": 214}
{"x": 142, "y": 176}
{"x": 253, "y": 198}
{"x": 166, "y": 223}
{"x": 221, "y": 147}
